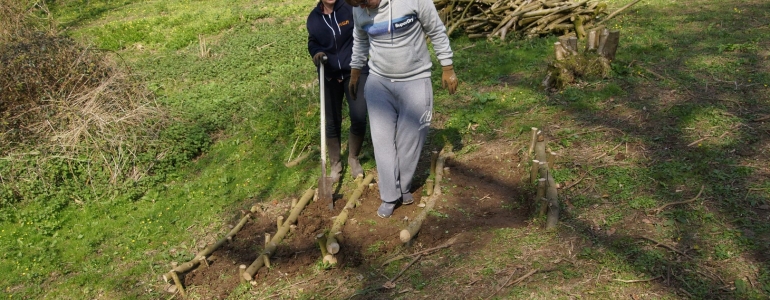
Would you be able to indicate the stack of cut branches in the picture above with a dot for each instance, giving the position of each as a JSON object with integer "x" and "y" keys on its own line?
{"x": 500, "y": 18}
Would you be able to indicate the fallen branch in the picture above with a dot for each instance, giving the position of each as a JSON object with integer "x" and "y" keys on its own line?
{"x": 661, "y": 208}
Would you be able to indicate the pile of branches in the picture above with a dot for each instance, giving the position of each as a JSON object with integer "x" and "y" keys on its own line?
{"x": 530, "y": 18}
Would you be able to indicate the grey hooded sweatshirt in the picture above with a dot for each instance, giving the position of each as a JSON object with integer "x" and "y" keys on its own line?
{"x": 393, "y": 36}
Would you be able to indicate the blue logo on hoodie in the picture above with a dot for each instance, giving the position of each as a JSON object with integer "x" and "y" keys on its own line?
{"x": 398, "y": 25}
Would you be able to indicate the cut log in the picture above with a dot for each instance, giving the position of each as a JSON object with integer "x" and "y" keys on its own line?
{"x": 413, "y": 228}
{"x": 278, "y": 237}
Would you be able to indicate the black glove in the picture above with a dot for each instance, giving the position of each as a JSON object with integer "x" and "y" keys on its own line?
{"x": 318, "y": 58}
{"x": 353, "y": 85}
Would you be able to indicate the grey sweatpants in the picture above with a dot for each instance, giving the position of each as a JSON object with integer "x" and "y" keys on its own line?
{"x": 399, "y": 118}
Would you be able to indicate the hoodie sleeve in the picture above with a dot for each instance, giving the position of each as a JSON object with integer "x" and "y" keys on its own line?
{"x": 312, "y": 43}
{"x": 435, "y": 29}
{"x": 360, "y": 43}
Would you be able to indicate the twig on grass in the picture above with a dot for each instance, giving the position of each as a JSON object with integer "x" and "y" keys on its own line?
{"x": 339, "y": 284}
{"x": 698, "y": 141}
{"x": 639, "y": 280}
{"x": 661, "y": 208}
{"x": 664, "y": 246}
{"x": 530, "y": 273}
{"x": 448, "y": 243}
{"x": 392, "y": 282}
{"x": 504, "y": 284}
{"x": 606, "y": 152}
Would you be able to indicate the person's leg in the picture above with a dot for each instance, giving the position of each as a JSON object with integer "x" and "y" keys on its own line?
{"x": 382, "y": 123}
{"x": 415, "y": 100}
{"x": 357, "y": 110}
{"x": 335, "y": 91}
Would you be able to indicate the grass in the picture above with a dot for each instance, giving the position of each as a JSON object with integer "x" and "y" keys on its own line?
{"x": 686, "y": 72}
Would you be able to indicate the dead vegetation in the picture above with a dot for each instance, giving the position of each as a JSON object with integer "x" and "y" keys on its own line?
{"x": 67, "y": 101}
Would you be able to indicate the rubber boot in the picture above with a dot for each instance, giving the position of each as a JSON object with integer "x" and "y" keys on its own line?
{"x": 354, "y": 149}
{"x": 333, "y": 145}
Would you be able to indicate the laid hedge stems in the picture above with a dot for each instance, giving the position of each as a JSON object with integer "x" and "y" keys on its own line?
{"x": 263, "y": 258}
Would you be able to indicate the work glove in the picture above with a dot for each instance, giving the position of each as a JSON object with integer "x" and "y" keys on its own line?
{"x": 353, "y": 85}
{"x": 449, "y": 79}
{"x": 318, "y": 58}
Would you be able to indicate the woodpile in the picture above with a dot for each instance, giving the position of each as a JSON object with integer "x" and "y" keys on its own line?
{"x": 530, "y": 18}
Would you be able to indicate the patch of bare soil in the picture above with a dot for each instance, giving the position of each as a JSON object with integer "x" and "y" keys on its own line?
{"x": 481, "y": 192}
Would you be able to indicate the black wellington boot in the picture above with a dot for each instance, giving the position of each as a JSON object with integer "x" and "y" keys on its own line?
{"x": 354, "y": 149}
{"x": 333, "y": 145}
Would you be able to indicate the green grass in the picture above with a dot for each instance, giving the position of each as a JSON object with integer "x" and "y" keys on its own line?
{"x": 254, "y": 96}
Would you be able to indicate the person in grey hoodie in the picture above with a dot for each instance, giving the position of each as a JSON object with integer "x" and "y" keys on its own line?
{"x": 398, "y": 91}
{"x": 330, "y": 35}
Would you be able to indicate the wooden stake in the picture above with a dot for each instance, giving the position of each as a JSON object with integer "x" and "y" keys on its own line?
{"x": 532, "y": 142}
{"x": 279, "y": 222}
{"x": 534, "y": 170}
{"x": 178, "y": 284}
{"x": 278, "y": 237}
{"x": 241, "y": 269}
{"x": 553, "y": 202}
{"x": 429, "y": 187}
{"x": 540, "y": 197}
{"x": 551, "y": 159}
{"x": 325, "y": 255}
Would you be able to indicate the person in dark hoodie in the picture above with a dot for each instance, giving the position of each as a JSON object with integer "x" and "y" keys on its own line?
{"x": 391, "y": 33}
{"x": 330, "y": 34}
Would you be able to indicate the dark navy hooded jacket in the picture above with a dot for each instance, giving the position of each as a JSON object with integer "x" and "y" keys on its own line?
{"x": 332, "y": 34}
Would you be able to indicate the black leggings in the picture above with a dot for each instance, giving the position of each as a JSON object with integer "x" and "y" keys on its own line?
{"x": 335, "y": 90}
